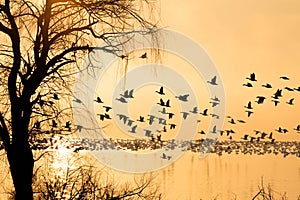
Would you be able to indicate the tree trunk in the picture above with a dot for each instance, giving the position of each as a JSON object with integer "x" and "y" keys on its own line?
{"x": 21, "y": 163}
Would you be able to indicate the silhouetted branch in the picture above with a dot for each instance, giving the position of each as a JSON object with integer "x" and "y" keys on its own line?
{"x": 4, "y": 134}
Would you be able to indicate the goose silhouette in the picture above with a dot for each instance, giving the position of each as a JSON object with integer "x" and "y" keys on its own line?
{"x": 147, "y": 133}
{"x": 107, "y": 108}
{"x": 172, "y": 126}
{"x": 171, "y": 115}
{"x": 133, "y": 129}
{"x": 228, "y": 132}
{"x": 144, "y": 55}
{"x": 276, "y": 102}
{"x": 214, "y": 116}
{"x": 249, "y": 113}
{"x": 297, "y": 89}
{"x": 164, "y": 156}
{"x": 260, "y": 99}
{"x": 248, "y": 85}
{"x": 184, "y": 114}
{"x": 267, "y": 85}
{"x": 272, "y": 140}
{"x": 279, "y": 130}
{"x": 123, "y": 117}
{"x": 76, "y": 100}
{"x": 128, "y": 94}
{"x": 252, "y": 77}
{"x": 183, "y": 98}
{"x": 214, "y": 131}
{"x": 271, "y": 136}
{"x": 214, "y": 104}
{"x": 289, "y": 89}
{"x": 249, "y": 106}
{"x": 231, "y": 121}
{"x": 245, "y": 137}
{"x": 213, "y": 81}
{"x": 297, "y": 128}
{"x": 168, "y": 103}
{"x": 164, "y": 129}
{"x": 161, "y": 102}
{"x": 107, "y": 116}
{"x": 141, "y": 119}
{"x": 202, "y": 132}
{"x": 194, "y": 111}
{"x": 151, "y": 119}
{"x": 290, "y": 102}
{"x": 122, "y": 100}
{"x": 263, "y": 135}
{"x": 278, "y": 93}
{"x": 68, "y": 125}
{"x": 215, "y": 99}
{"x": 161, "y": 91}
{"x": 285, "y": 78}
{"x": 204, "y": 113}
{"x": 285, "y": 130}
{"x": 252, "y": 139}
{"x": 98, "y": 100}
{"x": 221, "y": 132}
{"x": 101, "y": 117}
{"x": 241, "y": 121}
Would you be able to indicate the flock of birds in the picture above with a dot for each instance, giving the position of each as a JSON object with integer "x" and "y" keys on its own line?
{"x": 201, "y": 145}
{"x": 162, "y": 118}
{"x": 165, "y": 115}
{"x": 276, "y": 98}
{"x": 215, "y": 101}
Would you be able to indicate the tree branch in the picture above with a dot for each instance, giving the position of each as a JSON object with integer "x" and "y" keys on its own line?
{"x": 5, "y": 30}
{"x": 4, "y": 134}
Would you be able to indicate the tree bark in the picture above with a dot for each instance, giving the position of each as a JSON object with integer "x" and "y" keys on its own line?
{"x": 19, "y": 153}
{"x": 21, "y": 163}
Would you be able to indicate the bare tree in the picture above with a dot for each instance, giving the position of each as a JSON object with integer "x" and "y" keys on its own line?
{"x": 42, "y": 45}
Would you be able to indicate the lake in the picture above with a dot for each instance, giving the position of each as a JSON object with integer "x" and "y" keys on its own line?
{"x": 229, "y": 176}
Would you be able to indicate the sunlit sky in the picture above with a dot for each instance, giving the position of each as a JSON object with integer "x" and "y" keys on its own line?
{"x": 241, "y": 37}
{"x": 244, "y": 37}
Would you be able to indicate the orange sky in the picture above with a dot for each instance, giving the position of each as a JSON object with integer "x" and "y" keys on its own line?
{"x": 243, "y": 37}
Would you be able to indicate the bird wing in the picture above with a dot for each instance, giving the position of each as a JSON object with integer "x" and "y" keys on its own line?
{"x": 214, "y": 79}
{"x": 133, "y": 128}
{"x": 161, "y": 90}
{"x": 126, "y": 93}
{"x": 162, "y": 102}
{"x": 131, "y": 93}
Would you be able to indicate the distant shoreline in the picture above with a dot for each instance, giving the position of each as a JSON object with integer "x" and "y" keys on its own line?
{"x": 285, "y": 148}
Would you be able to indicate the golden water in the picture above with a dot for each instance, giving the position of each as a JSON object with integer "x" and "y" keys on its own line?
{"x": 190, "y": 177}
